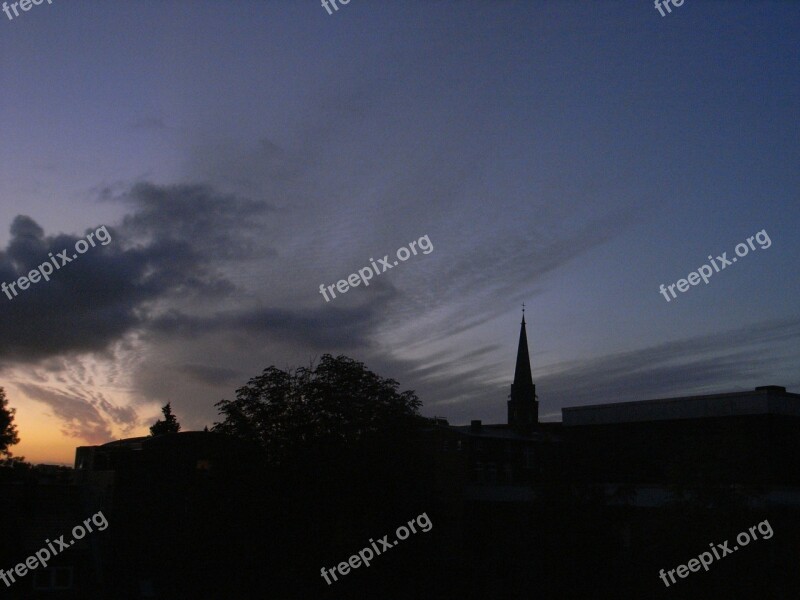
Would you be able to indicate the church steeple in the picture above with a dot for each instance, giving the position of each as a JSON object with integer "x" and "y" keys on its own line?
{"x": 523, "y": 408}
{"x": 522, "y": 372}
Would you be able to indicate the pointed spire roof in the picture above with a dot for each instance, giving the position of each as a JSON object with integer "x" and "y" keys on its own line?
{"x": 522, "y": 372}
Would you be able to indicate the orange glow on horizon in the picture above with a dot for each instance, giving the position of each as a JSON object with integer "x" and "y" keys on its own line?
{"x": 42, "y": 439}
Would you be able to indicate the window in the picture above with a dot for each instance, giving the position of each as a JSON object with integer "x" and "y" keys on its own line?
{"x": 479, "y": 475}
{"x": 53, "y": 578}
{"x": 491, "y": 469}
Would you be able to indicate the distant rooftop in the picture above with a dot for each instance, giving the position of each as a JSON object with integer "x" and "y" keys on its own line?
{"x": 544, "y": 431}
{"x": 764, "y": 400}
{"x": 182, "y": 438}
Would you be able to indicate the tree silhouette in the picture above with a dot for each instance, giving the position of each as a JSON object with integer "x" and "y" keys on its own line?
{"x": 339, "y": 403}
{"x": 168, "y": 425}
{"x": 345, "y": 458}
{"x": 8, "y": 431}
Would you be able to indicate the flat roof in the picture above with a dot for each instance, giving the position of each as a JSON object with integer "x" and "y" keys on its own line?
{"x": 764, "y": 400}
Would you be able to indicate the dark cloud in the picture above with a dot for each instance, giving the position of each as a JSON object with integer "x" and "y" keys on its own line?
{"x": 85, "y": 304}
{"x": 318, "y": 329}
{"x": 214, "y": 225}
{"x": 167, "y": 250}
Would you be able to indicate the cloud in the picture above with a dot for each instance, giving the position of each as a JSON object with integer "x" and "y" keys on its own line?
{"x": 168, "y": 251}
{"x": 210, "y": 375}
{"x": 734, "y": 360}
{"x": 318, "y": 329}
{"x": 81, "y": 417}
{"x": 213, "y": 225}
{"x": 482, "y": 280}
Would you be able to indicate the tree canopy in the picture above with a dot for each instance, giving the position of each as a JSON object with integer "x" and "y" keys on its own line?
{"x": 345, "y": 457}
{"x": 8, "y": 431}
{"x": 338, "y": 402}
{"x": 168, "y": 425}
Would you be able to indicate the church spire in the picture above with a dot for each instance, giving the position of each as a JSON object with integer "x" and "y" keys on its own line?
{"x": 523, "y": 408}
{"x": 522, "y": 372}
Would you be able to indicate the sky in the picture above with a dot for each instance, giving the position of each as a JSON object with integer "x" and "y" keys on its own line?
{"x": 573, "y": 156}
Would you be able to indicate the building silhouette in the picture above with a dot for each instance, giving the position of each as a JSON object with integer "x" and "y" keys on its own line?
{"x": 601, "y": 501}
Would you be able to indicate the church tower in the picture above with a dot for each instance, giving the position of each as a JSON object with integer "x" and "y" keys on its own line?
{"x": 523, "y": 407}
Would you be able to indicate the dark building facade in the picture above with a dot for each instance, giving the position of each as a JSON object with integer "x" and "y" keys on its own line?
{"x": 177, "y": 511}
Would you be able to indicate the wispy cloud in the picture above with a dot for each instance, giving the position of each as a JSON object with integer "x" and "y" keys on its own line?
{"x": 82, "y": 417}
{"x": 729, "y": 361}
